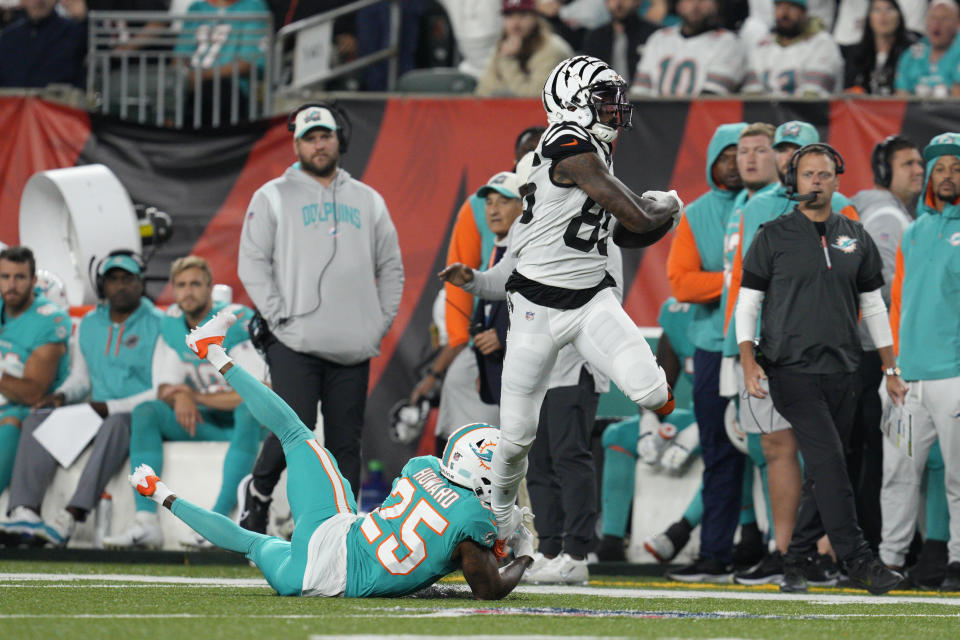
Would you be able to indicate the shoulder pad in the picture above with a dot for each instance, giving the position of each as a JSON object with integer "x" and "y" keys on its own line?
{"x": 565, "y": 140}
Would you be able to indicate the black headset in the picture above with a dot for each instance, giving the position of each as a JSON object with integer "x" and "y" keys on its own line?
{"x": 344, "y": 126}
{"x": 880, "y": 159}
{"x": 94, "y": 267}
{"x": 790, "y": 179}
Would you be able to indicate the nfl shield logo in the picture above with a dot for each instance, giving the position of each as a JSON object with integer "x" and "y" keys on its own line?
{"x": 529, "y": 315}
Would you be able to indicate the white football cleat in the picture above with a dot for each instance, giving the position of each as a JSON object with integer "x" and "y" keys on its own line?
{"x": 563, "y": 569}
{"x": 213, "y": 331}
{"x": 145, "y": 533}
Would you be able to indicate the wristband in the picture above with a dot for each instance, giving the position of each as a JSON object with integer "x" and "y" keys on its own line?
{"x": 892, "y": 371}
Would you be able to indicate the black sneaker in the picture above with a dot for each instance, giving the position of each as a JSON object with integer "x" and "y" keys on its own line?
{"x": 794, "y": 580}
{"x": 253, "y": 513}
{"x": 767, "y": 571}
{"x": 931, "y": 568}
{"x": 874, "y": 576}
{"x": 951, "y": 581}
{"x": 821, "y": 571}
{"x": 703, "y": 570}
{"x": 611, "y": 549}
{"x": 751, "y": 548}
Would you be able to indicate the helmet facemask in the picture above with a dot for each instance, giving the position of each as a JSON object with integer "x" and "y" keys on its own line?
{"x": 611, "y": 110}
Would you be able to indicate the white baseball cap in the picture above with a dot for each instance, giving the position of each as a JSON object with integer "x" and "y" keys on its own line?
{"x": 505, "y": 183}
{"x": 313, "y": 117}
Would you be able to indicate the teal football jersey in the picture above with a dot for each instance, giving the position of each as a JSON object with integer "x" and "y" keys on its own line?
{"x": 200, "y": 374}
{"x": 42, "y": 323}
{"x": 407, "y": 543}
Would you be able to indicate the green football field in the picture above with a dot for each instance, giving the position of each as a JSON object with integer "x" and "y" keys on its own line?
{"x": 54, "y": 600}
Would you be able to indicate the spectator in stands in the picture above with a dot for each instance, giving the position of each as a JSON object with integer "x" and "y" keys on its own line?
{"x": 373, "y": 34}
{"x": 924, "y": 315}
{"x": 930, "y": 67}
{"x": 220, "y": 49}
{"x": 454, "y": 366}
{"x": 33, "y": 350}
{"x": 695, "y": 270}
{"x": 129, "y": 34}
{"x": 797, "y": 58}
{"x": 526, "y": 53}
{"x": 871, "y": 65}
{"x": 42, "y": 48}
{"x": 695, "y": 57}
{"x": 476, "y": 26}
{"x": 114, "y": 366}
{"x": 621, "y": 41}
{"x": 193, "y": 403}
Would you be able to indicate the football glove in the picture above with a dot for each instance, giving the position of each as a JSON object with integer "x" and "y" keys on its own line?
{"x": 663, "y": 196}
{"x": 521, "y": 542}
{"x": 674, "y": 457}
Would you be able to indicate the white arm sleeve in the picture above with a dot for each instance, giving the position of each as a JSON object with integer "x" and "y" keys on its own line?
{"x": 167, "y": 366}
{"x": 748, "y": 310}
{"x": 874, "y": 315}
{"x": 77, "y": 385}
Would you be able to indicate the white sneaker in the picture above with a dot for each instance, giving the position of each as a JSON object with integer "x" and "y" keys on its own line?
{"x": 213, "y": 331}
{"x": 57, "y": 532}
{"x": 195, "y": 541}
{"x": 145, "y": 533}
{"x": 563, "y": 569}
{"x": 536, "y": 567}
{"x": 23, "y": 527}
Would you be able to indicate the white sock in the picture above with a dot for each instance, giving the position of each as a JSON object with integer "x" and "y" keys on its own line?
{"x": 217, "y": 356}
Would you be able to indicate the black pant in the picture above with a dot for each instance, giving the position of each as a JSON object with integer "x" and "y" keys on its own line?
{"x": 303, "y": 380}
{"x": 561, "y": 479}
{"x": 820, "y": 407}
{"x": 865, "y": 456}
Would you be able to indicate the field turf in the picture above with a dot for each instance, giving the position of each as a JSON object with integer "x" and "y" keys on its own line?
{"x": 56, "y": 600}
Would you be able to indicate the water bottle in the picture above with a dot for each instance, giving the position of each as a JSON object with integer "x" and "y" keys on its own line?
{"x": 374, "y": 489}
{"x": 101, "y": 522}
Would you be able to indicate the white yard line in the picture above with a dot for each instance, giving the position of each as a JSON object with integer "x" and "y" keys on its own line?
{"x": 59, "y": 579}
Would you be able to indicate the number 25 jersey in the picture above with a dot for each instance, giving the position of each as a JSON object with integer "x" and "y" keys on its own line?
{"x": 560, "y": 240}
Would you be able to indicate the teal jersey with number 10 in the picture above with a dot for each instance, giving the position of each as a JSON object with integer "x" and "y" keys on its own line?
{"x": 407, "y": 543}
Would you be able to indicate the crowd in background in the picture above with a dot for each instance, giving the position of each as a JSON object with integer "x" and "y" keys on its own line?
{"x": 662, "y": 47}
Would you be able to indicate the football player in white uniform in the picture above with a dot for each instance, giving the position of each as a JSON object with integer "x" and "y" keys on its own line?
{"x": 560, "y": 292}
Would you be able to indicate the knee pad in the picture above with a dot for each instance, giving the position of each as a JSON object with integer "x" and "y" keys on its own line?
{"x": 528, "y": 370}
{"x": 655, "y": 398}
{"x": 511, "y": 453}
{"x": 622, "y": 435}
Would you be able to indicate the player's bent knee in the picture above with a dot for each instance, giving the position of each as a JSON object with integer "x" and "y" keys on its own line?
{"x": 512, "y": 452}
{"x": 653, "y": 399}
{"x": 622, "y": 435}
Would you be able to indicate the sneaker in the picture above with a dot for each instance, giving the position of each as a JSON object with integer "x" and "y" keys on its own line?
{"x": 196, "y": 542}
{"x": 668, "y": 406}
{"x": 751, "y": 548}
{"x": 213, "y": 331}
{"x": 253, "y": 512}
{"x": 822, "y": 571}
{"x": 874, "y": 576}
{"x": 951, "y": 580}
{"x": 768, "y": 571}
{"x": 931, "y": 568}
{"x": 145, "y": 533}
{"x": 23, "y": 528}
{"x": 57, "y": 532}
{"x": 563, "y": 569}
{"x": 794, "y": 580}
{"x": 665, "y": 546}
{"x": 703, "y": 570}
{"x": 540, "y": 561}
{"x": 611, "y": 550}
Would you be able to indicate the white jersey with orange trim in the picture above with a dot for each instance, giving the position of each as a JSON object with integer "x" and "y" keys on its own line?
{"x": 675, "y": 65}
{"x": 561, "y": 238}
{"x": 811, "y": 66}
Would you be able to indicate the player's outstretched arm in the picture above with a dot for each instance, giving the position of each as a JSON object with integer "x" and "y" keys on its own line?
{"x": 636, "y": 213}
{"x": 480, "y": 569}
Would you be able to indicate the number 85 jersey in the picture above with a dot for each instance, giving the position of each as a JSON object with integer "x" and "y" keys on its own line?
{"x": 406, "y": 544}
{"x": 561, "y": 238}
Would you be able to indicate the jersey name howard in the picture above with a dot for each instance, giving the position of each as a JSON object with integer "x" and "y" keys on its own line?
{"x": 561, "y": 238}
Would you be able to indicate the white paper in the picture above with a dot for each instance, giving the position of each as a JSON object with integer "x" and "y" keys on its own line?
{"x": 67, "y": 430}
{"x": 311, "y": 58}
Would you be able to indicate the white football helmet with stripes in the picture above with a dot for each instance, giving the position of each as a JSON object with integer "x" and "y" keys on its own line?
{"x": 467, "y": 458}
{"x": 587, "y": 91}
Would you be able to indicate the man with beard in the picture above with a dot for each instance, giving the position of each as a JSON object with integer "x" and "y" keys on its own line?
{"x": 33, "y": 348}
{"x": 693, "y": 58}
{"x": 798, "y": 58}
{"x": 113, "y": 364}
{"x": 193, "y": 402}
{"x": 320, "y": 259}
{"x": 925, "y": 318}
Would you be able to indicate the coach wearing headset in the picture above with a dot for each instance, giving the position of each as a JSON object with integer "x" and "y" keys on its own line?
{"x": 320, "y": 259}
{"x": 815, "y": 271}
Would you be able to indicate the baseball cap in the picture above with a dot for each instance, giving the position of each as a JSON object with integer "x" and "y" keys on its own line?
{"x": 313, "y": 117}
{"x": 945, "y": 144}
{"x": 796, "y": 132}
{"x": 124, "y": 262}
{"x": 505, "y": 183}
{"x": 510, "y": 6}
{"x": 799, "y": 3}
